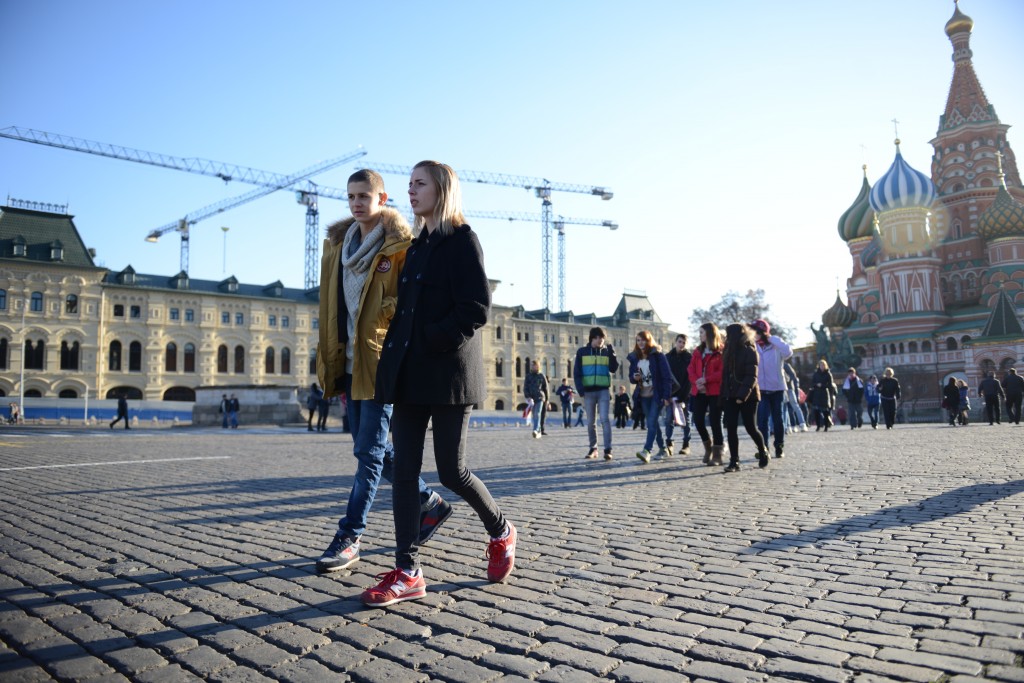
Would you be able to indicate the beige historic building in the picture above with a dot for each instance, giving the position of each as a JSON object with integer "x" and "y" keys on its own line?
{"x": 81, "y": 328}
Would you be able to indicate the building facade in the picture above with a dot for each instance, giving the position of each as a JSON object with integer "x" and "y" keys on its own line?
{"x": 73, "y": 329}
{"x": 937, "y": 284}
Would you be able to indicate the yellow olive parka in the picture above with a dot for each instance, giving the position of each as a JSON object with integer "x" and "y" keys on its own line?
{"x": 376, "y": 306}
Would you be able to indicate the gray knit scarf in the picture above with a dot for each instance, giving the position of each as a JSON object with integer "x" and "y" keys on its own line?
{"x": 355, "y": 270}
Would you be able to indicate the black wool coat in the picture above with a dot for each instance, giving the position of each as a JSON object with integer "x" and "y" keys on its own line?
{"x": 432, "y": 354}
{"x": 740, "y": 381}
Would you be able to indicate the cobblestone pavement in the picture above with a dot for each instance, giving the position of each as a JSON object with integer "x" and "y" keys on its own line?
{"x": 186, "y": 554}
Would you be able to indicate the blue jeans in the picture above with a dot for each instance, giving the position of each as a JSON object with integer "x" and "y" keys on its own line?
{"x": 594, "y": 402}
{"x": 854, "y": 414}
{"x": 234, "y": 419}
{"x": 566, "y": 414}
{"x": 771, "y": 406}
{"x": 652, "y": 410}
{"x": 873, "y": 414}
{"x": 670, "y": 425}
{"x": 537, "y": 414}
{"x": 370, "y": 423}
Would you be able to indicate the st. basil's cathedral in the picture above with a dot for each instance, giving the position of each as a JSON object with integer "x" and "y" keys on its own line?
{"x": 937, "y": 287}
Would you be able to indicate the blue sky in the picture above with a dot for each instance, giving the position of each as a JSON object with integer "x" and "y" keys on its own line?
{"x": 732, "y": 133}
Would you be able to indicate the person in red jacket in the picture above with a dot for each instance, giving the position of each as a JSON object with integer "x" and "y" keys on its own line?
{"x": 706, "y": 379}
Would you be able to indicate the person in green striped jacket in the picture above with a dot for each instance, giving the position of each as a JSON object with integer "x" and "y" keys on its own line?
{"x": 592, "y": 373}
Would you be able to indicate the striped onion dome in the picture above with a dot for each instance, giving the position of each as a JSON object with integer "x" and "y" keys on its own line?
{"x": 1003, "y": 218}
{"x": 869, "y": 257}
{"x": 858, "y": 220}
{"x": 840, "y": 315}
{"x": 902, "y": 187}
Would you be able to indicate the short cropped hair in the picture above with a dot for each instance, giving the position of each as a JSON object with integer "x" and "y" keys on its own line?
{"x": 368, "y": 175}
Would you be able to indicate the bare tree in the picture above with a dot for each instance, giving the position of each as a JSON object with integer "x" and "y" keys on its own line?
{"x": 741, "y": 308}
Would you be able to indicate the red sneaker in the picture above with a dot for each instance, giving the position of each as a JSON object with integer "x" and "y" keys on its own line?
{"x": 395, "y": 586}
{"x": 501, "y": 556}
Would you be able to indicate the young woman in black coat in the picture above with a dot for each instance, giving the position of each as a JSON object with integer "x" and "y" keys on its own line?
{"x": 740, "y": 394}
{"x": 889, "y": 391}
{"x": 431, "y": 369}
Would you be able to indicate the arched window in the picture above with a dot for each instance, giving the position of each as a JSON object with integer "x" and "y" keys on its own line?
{"x": 499, "y": 405}
{"x": 268, "y": 361}
{"x": 239, "y": 360}
{"x": 68, "y": 393}
{"x": 986, "y": 366}
{"x": 35, "y": 355}
{"x": 892, "y": 349}
{"x": 114, "y": 357}
{"x": 37, "y": 302}
{"x": 286, "y": 361}
{"x": 135, "y": 357}
{"x": 3, "y": 353}
{"x": 950, "y": 344}
{"x": 901, "y": 347}
{"x": 222, "y": 359}
{"x": 926, "y": 346}
{"x": 171, "y": 357}
{"x": 71, "y": 303}
{"x": 519, "y": 366}
{"x": 33, "y": 393}
{"x": 958, "y": 227}
{"x": 1005, "y": 365}
{"x": 498, "y": 367}
{"x": 69, "y": 355}
{"x": 190, "y": 357}
{"x": 912, "y": 347}
{"x": 972, "y": 283}
{"x": 964, "y": 339}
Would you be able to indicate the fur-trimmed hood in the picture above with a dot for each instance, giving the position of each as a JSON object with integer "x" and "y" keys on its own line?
{"x": 396, "y": 228}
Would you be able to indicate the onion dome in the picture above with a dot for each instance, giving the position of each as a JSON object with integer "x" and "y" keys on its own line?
{"x": 840, "y": 315}
{"x": 1003, "y": 218}
{"x": 869, "y": 257}
{"x": 959, "y": 22}
{"x": 902, "y": 187}
{"x": 858, "y": 219}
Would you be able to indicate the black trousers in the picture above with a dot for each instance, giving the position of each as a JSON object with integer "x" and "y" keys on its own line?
{"x": 732, "y": 412}
{"x": 450, "y": 429}
{"x": 702, "y": 406}
{"x": 992, "y": 408}
{"x": 889, "y": 412}
{"x": 1013, "y": 408}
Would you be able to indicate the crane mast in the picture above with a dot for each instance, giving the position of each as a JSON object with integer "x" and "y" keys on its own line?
{"x": 543, "y": 188}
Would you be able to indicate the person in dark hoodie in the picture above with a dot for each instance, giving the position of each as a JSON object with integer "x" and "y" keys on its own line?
{"x": 951, "y": 400}
{"x": 679, "y": 362}
{"x": 649, "y": 370}
{"x": 363, "y": 256}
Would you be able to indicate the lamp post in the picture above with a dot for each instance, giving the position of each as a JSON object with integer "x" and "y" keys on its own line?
{"x": 224, "y": 265}
{"x": 21, "y": 384}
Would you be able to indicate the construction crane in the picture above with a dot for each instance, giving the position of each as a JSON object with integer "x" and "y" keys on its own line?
{"x": 182, "y": 225}
{"x": 216, "y": 169}
{"x": 542, "y": 188}
{"x": 559, "y": 226}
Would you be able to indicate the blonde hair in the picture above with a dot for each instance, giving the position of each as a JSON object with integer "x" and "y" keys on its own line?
{"x": 888, "y": 372}
{"x": 448, "y": 209}
{"x": 824, "y": 363}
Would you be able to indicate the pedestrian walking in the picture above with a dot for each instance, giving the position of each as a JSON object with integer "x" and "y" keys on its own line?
{"x": 431, "y": 369}
{"x": 872, "y": 400}
{"x": 951, "y": 400}
{"x": 772, "y": 354}
{"x": 853, "y": 391}
{"x": 122, "y": 411}
{"x": 706, "y": 379}
{"x": 992, "y": 392}
{"x": 315, "y": 393}
{"x": 592, "y": 373}
{"x": 679, "y": 363}
{"x": 1013, "y": 387}
{"x": 823, "y": 396}
{"x": 224, "y": 410}
{"x": 889, "y": 393}
{"x": 623, "y": 404}
{"x": 649, "y": 370}
{"x": 233, "y": 409}
{"x": 964, "y": 417}
{"x": 565, "y": 395}
{"x": 535, "y": 388}
{"x": 740, "y": 394}
{"x": 362, "y": 260}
